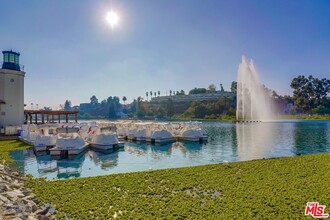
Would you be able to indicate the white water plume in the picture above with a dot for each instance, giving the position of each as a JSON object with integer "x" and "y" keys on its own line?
{"x": 253, "y": 101}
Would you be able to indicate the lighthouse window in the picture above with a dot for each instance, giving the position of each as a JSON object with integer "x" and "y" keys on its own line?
{"x": 6, "y": 57}
{"x": 12, "y": 58}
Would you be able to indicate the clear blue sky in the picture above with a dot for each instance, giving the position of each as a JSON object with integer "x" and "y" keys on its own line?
{"x": 70, "y": 52}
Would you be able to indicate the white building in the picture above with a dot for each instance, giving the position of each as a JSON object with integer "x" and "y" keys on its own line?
{"x": 11, "y": 90}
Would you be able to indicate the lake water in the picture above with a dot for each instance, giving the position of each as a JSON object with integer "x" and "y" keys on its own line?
{"x": 227, "y": 142}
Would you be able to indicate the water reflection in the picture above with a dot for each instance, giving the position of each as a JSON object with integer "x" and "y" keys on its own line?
{"x": 136, "y": 149}
{"x": 105, "y": 161}
{"x": 45, "y": 164}
{"x": 311, "y": 137}
{"x": 255, "y": 140}
{"x": 20, "y": 156}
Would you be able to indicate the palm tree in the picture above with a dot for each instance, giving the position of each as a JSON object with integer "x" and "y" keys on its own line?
{"x": 170, "y": 92}
{"x": 147, "y": 95}
{"x": 158, "y": 93}
{"x": 155, "y": 93}
{"x": 151, "y": 94}
{"x": 124, "y": 99}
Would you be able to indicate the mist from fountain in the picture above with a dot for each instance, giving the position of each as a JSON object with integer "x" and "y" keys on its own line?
{"x": 253, "y": 101}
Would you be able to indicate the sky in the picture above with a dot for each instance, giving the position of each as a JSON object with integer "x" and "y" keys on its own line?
{"x": 70, "y": 52}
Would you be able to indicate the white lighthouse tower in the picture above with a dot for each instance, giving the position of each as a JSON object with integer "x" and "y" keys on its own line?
{"x": 11, "y": 90}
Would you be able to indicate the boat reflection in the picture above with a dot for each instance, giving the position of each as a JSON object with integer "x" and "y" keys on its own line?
{"x": 72, "y": 167}
{"x": 136, "y": 149}
{"x": 105, "y": 161}
{"x": 162, "y": 149}
{"x": 165, "y": 149}
{"x": 45, "y": 164}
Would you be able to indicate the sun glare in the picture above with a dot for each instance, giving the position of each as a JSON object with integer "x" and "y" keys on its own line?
{"x": 112, "y": 18}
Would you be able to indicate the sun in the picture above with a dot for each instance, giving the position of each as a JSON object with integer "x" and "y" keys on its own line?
{"x": 112, "y": 18}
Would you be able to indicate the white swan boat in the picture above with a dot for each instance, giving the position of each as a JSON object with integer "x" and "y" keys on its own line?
{"x": 69, "y": 143}
{"x": 103, "y": 139}
{"x": 194, "y": 135}
{"x": 29, "y": 134}
{"x": 46, "y": 139}
{"x": 161, "y": 137}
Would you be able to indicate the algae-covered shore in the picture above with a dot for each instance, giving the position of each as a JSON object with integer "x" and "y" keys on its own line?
{"x": 262, "y": 189}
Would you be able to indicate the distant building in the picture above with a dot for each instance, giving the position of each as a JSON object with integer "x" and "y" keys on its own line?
{"x": 204, "y": 97}
{"x": 85, "y": 106}
{"x": 11, "y": 90}
{"x": 182, "y": 102}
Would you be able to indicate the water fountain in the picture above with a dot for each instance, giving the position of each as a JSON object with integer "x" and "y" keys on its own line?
{"x": 253, "y": 101}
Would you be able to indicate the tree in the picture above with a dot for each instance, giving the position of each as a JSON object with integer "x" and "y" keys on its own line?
{"x": 87, "y": 115}
{"x": 197, "y": 91}
{"x": 116, "y": 101}
{"x": 233, "y": 87}
{"x": 103, "y": 104}
{"x": 221, "y": 88}
{"x": 158, "y": 93}
{"x": 67, "y": 105}
{"x": 47, "y": 108}
{"x": 309, "y": 92}
{"x": 200, "y": 110}
{"x": 109, "y": 99}
{"x": 181, "y": 92}
{"x": 212, "y": 88}
{"x": 94, "y": 100}
{"x": 147, "y": 94}
{"x": 151, "y": 94}
{"x": 170, "y": 92}
{"x": 112, "y": 111}
{"x": 197, "y": 110}
{"x": 155, "y": 94}
{"x": 124, "y": 99}
{"x": 133, "y": 106}
{"x": 139, "y": 109}
{"x": 160, "y": 112}
{"x": 321, "y": 110}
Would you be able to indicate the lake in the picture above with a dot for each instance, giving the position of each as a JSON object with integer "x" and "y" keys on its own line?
{"x": 227, "y": 142}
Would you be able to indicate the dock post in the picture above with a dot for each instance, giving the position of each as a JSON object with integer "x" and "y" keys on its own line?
{"x": 76, "y": 117}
